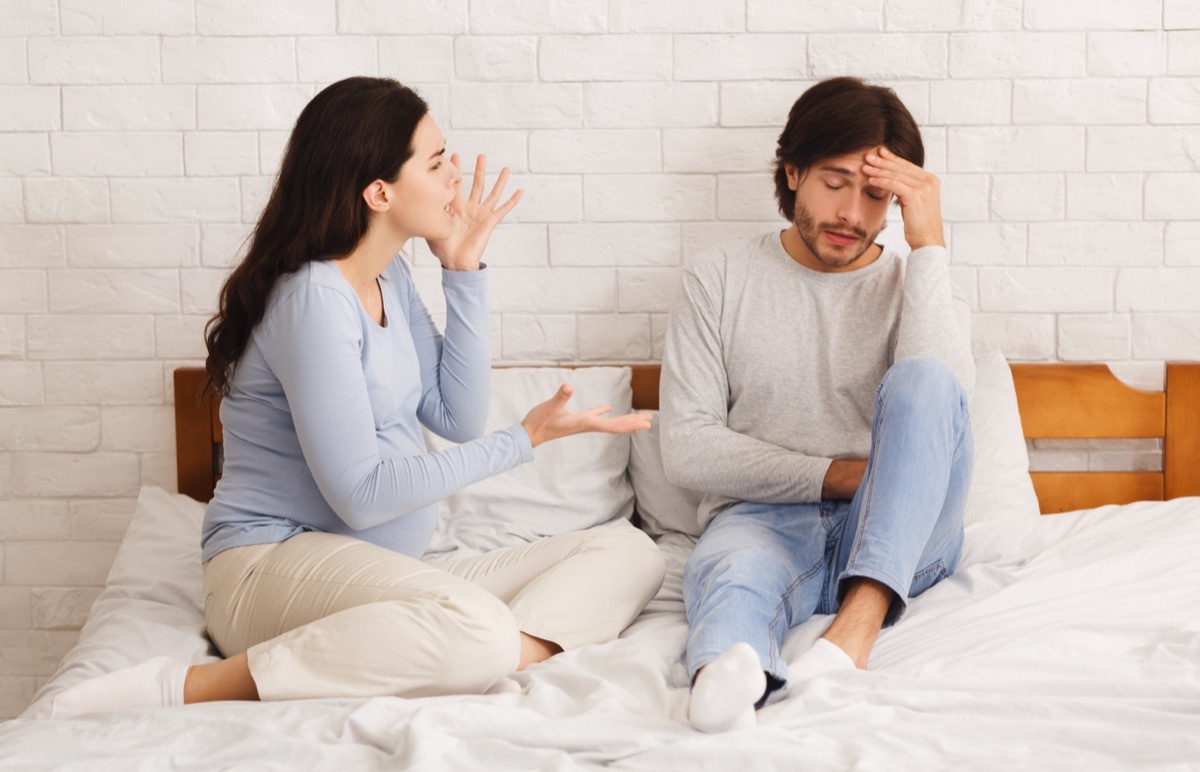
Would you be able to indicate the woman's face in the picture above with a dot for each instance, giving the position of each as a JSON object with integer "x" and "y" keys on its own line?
{"x": 425, "y": 188}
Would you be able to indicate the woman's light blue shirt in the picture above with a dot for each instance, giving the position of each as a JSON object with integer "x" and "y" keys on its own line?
{"x": 322, "y": 419}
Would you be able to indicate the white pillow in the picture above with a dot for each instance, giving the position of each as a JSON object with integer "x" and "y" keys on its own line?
{"x": 1001, "y": 488}
{"x": 1001, "y": 502}
{"x": 573, "y": 483}
{"x": 663, "y": 507}
{"x": 151, "y": 604}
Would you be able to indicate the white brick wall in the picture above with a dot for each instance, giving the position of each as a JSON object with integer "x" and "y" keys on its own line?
{"x": 1183, "y": 243}
{"x": 139, "y": 139}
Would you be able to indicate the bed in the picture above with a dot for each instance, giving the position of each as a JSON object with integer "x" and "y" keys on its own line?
{"x": 1064, "y": 641}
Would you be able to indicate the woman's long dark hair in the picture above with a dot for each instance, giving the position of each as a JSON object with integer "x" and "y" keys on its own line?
{"x": 354, "y": 132}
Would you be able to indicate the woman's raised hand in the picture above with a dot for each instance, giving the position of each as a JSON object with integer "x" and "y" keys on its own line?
{"x": 551, "y": 419}
{"x": 474, "y": 219}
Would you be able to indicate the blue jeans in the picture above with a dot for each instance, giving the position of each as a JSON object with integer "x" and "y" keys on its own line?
{"x": 761, "y": 569}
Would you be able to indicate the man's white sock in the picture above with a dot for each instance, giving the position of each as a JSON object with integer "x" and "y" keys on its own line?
{"x": 824, "y": 657}
{"x": 157, "y": 683}
{"x": 726, "y": 689}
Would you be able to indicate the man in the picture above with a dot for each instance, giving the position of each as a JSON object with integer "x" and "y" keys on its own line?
{"x": 815, "y": 390}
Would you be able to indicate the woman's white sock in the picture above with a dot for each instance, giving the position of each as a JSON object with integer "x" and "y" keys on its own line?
{"x": 824, "y": 657}
{"x": 726, "y": 689}
{"x": 157, "y": 683}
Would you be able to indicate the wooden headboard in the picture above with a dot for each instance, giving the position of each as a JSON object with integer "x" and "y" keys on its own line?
{"x": 1057, "y": 401}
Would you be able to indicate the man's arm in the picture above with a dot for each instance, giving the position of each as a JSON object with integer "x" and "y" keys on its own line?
{"x": 843, "y": 478}
{"x": 700, "y": 452}
{"x": 929, "y": 326}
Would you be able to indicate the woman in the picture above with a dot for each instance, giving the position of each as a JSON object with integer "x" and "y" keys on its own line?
{"x": 329, "y": 363}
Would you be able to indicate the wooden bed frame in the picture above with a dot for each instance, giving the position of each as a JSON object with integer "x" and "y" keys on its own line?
{"x": 1056, "y": 401}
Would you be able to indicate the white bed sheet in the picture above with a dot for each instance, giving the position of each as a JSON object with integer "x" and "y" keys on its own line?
{"x": 1070, "y": 642}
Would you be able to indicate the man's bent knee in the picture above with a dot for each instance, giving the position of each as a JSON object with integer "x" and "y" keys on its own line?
{"x": 924, "y": 381}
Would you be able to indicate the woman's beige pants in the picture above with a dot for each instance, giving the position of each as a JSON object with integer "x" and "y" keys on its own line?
{"x": 323, "y": 615}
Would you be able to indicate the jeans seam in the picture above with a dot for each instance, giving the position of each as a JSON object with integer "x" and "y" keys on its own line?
{"x": 939, "y": 565}
{"x": 784, "y": 602}
{"x": 869, "y": 491}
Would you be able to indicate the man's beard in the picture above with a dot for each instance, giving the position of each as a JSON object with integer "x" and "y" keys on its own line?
{"x": 810, "y": 234}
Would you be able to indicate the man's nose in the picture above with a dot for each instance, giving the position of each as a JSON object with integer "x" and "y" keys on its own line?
{"x": 851, "y": 208}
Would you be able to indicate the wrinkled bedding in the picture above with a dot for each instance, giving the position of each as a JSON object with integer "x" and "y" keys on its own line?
{"x": 1063, "y": 642}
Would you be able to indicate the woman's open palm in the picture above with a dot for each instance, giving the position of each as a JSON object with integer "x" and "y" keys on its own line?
{"x": 475, "y": 217}
{"x": 551, "y": 419}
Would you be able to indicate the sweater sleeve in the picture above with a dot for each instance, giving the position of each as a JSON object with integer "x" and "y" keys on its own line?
{"x": 313, "y": 345}
{"x": 929, "y": 324}
{"x": 700, "y": 452}
{"x": 455, "y": 369}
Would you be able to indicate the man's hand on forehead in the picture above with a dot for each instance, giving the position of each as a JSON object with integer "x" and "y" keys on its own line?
{"x": 917, "y": 191}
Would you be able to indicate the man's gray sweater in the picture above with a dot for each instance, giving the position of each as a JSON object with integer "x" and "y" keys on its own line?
{"x": 770, "y": 368}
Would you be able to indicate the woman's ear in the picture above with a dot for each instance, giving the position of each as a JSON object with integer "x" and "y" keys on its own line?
{"x": 377, "y": 196}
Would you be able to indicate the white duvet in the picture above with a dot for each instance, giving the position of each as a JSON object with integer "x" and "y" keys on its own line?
{"x": 1066, "y": 642}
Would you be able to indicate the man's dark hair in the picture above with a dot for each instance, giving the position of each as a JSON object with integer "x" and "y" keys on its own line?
{"x": 839, "y": 116}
